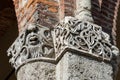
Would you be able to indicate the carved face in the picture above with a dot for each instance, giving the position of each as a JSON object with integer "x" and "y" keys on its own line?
{"x": 32, "y": 37}
{"x": 38, "y": 41}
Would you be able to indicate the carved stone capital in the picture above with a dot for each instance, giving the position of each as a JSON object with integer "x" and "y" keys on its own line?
{"x": 74, "y": 34}
{"x": 34, "y": 42}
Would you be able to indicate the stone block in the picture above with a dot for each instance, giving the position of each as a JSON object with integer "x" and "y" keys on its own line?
{"x": 76, "y": 67}
{"x": 37, "y": 70}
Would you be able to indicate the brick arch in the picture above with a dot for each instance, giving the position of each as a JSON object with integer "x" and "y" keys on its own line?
{"x": 115, "y": 21}
{"x": 105, "y": 14}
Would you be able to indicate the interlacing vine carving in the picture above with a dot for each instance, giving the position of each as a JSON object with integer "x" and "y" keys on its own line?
{"x": 85, "y": 36}
{"x": 37, "y": 41}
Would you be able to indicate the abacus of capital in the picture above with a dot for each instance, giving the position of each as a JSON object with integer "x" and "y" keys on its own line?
{"x": 75, "y": 49}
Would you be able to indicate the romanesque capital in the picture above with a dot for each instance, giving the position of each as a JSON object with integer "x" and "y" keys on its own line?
{"x": 83, "y": 36}
{"x": 34, "y": 42}
{"x": 37, "y": 41}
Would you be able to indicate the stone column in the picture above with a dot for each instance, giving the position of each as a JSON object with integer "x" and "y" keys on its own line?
{"x": 74, "y": 49}
{"x": 32, "y": 54}
{"x": 38, "y": 69}
{"x": 83, "y": 51}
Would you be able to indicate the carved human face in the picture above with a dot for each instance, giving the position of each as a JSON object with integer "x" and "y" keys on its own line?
{"x": 32, "y": 37}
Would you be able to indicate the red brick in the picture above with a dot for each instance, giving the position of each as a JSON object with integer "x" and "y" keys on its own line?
{"x": 50, "y": 12}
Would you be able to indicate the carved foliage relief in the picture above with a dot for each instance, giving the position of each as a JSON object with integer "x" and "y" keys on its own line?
{"x": 83, "y": 36}
{"x": 34, "y": 42}
{"x": 37, "y": 41}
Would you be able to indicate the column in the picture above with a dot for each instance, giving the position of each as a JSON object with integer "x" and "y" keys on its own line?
{"x": 55, "y": 45}
{"x": 32, "y": 54}
{"x": 83, "y": 52}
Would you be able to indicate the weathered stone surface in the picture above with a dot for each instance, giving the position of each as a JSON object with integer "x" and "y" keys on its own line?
{"x": 83, "y": 10}
{"x": 84, "y": 36}
{"x": 37, "y": 71}
{"x": 74, "y": 33}
{"x": 77, "y": 67}
{"x": 34, "y": 42}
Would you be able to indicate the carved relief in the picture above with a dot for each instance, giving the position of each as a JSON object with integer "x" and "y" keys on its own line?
{"x": 34, "y": 42}
{"x": 85, "y": 36}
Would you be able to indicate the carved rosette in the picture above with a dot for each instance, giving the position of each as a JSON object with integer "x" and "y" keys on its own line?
{"x": 85, "y": 37}
{"x": 34, "y": 42}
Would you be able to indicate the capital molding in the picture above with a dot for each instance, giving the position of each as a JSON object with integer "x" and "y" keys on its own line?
{"x": 39, "y": 42}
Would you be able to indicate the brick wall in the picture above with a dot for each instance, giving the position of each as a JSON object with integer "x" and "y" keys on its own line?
{"x": 50, "y": 12}
{"x": 105, "y": 14}
{"x": 44, "y": 12}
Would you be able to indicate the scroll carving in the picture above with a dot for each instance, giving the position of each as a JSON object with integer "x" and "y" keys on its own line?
{"x": 37, "y": 41}
{"x": 84, "y": 36}
{"x": 34, "y": 42}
